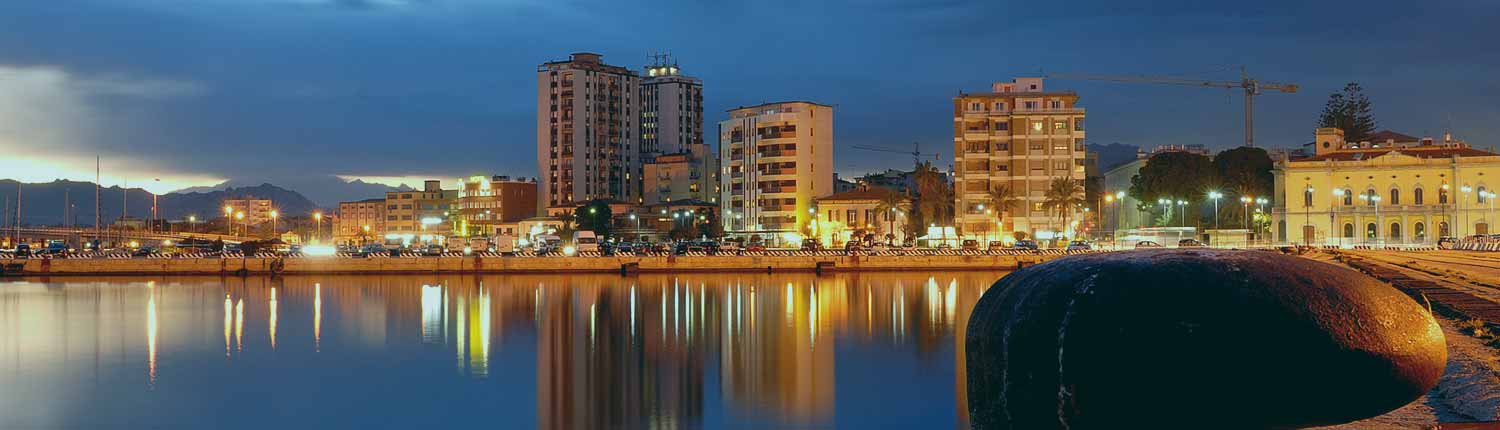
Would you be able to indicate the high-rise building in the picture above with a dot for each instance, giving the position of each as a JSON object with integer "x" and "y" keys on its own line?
{"x": 486, "y": 204}
{"x": 671, "y": 109}
{"x": 679, "y": 165}
{"x": 587, "y": 132}
{"x": 777, "y": 157}
{"x": 1019, "y": 136}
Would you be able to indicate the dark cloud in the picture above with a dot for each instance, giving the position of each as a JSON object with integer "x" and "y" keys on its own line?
{"x": 269, "y": 89}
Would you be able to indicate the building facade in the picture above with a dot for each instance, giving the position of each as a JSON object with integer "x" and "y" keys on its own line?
{"x": 1019, "y": 136}
{"x": 587, "y": 132}
{"x": 418, "y": 216}
{"x": 671, "y": 109}
{"x": 776, "y": 158}
{"x": 359, "y": 222}
{"x": 1399, "y": 190}
{"x": 256, "y": 211}
{"x": 682, "y": 176}
{"x": 488, "y": 206}
{"x": 854, "y": 214}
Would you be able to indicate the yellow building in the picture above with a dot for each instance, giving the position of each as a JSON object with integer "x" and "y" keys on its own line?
{"x": 1394, "y": 189}
{"x": 850, "y": 215}
{"x": 1017, "y": 136}
{"x": 776, "y": 158}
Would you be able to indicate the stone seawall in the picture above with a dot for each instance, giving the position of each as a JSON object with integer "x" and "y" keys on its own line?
{"x": 477, "y": 264}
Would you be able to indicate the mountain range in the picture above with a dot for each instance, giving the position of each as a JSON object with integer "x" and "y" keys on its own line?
{"x": 44, "y": 203}
{"x": 325, "y": 190}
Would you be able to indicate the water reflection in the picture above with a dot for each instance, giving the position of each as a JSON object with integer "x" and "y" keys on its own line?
{"x": 654, "y": 351}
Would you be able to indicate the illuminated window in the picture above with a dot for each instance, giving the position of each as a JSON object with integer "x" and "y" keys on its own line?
{"x": 1036, "y": 126}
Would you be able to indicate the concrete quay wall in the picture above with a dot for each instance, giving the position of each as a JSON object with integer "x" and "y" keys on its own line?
{"x": 478, "y": 264}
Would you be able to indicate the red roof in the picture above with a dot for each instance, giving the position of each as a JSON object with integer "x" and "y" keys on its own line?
{"x": 1419, "y": 152}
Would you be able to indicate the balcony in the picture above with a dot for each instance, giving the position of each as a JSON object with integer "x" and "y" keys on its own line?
{"x": 778, "y": 153}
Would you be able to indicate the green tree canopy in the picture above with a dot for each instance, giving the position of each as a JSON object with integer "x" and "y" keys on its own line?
{"x": 594, "y": 216}
{"x": 934, "y": 199}
{"x": 1244, "y": 170}
{"x": 1349, "y": 110}
{"x": 1176, "y": 175}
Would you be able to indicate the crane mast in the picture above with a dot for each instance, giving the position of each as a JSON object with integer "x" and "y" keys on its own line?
{"x": 1252, "y": 87}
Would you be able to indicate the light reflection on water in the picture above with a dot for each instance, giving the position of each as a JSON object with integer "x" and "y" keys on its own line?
{"x": 548, "y": 352}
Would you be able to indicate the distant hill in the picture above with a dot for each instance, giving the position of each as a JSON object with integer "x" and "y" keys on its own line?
{"x": 325, "y": 190}
{"x": 42, "y": 203}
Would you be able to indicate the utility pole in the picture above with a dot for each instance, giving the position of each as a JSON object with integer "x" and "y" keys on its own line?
{"x": 98, "y": 237}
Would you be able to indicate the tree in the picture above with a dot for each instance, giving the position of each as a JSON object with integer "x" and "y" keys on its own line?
{"x": 890, "y": 204}
{"x": 1003, "y": 199}
{"x": 1245, "y": 171}
{"x": 1063, "y": 194}
{"x": 1173, "y": 175}
{"x": 565, "y": 230}
{"x": 709, "y": 226}
{"x": 594, "y": 216}
{"x": 934, "y": 199}
{"x": 1349, "y": 110}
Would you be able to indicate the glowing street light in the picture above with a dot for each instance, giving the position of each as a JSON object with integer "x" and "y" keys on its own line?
{"x": 317, "y": 226}
{"x": 1215, "y": 195}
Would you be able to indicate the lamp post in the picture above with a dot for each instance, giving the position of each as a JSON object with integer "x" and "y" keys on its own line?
{"x": 1489, "y": 196}
{"x": 1465, "y": 214}
{"x": 1183, "y": 209}
{"x": 1245, "y": 220}
{"x": 273, "y": 223}
{"x": 1338, "y": 194}
{"x": 245, "y": 227}
{"x": 1216, "y": 196}
{"x": 1307, "y": 217}
{"x": 317, "y": 227}
{"x": 1165, "y": 204}
{"x": 228, "y": 220}
{"x": 192, "y": 219}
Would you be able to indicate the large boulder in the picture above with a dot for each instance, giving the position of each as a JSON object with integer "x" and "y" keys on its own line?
{"x": 1195, "y": 339}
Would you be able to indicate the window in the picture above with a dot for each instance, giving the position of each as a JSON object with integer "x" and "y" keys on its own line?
{"x": 1483, "y": 195}
{"x": 975, "y": 106}
{"x": 1002, "y": 125}
{"x": 999, "y": 106}
{"x": 1416, "y": 196}
{"x": 1348, "y": 230}
{"x": 1078, "y": 145}
{"x": 1349, "y": 201}
{"x": 1036, "y": 127}
{"x": 1371, "y": 231}
{"x": 1036, "y": 146}
{"x": 1369, "y": 198}
{"x": 1419, "y": 231}
{"x": 1057, "y": 104}
{"x": 1002, "y": 146}
{"x": 1078, "y": 124}
{"x": 1059, "y": 126}
{"x": 1061, "y": 165}
{"x": 1395, "y": 231}
{"x": 1030, "y": 105}
{"x": 1395, "y": 196}
{"x": 1059, "y": 146}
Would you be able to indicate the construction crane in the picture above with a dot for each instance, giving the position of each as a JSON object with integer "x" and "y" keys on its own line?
{"x": 1253, "y": 87}
{"x": 915, "y": 153}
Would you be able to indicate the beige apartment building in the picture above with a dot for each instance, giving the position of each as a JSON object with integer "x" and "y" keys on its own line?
{"x": 488, "y": 206}
{"x": 776, "y": 158}
{"x": 359, "y": 222}
{"x": 418, "y": 216}
{"x": 256, "y": 211}
{"x": 1021, "y": 136}
{"x": 692, "y": 175}
{"x": 587, "y": 132}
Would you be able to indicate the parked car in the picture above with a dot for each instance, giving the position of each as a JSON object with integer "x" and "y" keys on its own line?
{"x": 811, "y": 245}
{"x": 1025, "y": 244}
{"x": 457, "y": 244}
{"x": 505, "y": 244}
{"x": 878, "y": 247}
{"x": 755, "y": 247}
{"x": 853, "y": 246}
{"x": 728, "y": 247}
{"x": 1146, "y": 244}
{"x": 624, "y": 248}
{"x": 996, "y": 245}
{"x": 1190, "y": 243}
{"x": 971, "y": 245}
{"x": 1446, "y": 242}
{"x": 367, "y": 250}
{"x": 432, "y": 250}
{"x": 1079, "y": 245}
{"x": 143, "y": 251}
{"x": 547, "y": 243}
{"x": 23, "y": 251}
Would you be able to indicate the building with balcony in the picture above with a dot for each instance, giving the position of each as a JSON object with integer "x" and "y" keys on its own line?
{"x": 671, "y": 109}
{"x": 587, "y": 129}
{"x": 488, "y": 206}
{"x": 1395, "y": 190}
{"x": 359, "y": 222}
{"x": 256, "y": 211}
{"x": 776, "y": 158}
{"x": 420, "y": 216}
{"x": 1021, "y": 136}
{"x": 691, "y": 175}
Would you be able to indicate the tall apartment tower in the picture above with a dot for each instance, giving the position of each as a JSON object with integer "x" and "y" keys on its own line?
{"x": 671, "y": 109}
{"x": 678, "y": 164}
{"x": 587, "y": 132}
{"x": 1019, "y": 136}
{"x": 777, "y": 157}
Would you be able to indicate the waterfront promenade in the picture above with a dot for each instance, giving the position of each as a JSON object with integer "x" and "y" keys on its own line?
{"x": 773, "y": 261}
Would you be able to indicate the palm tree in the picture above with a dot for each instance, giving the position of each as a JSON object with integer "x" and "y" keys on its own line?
{"x": 1063, "y": 194}
{"x": 565, "y": 231}
{"x": 1002, "y": 198}
{"x": 890, "y": 203}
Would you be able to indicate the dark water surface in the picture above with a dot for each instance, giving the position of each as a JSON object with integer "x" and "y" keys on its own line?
{"x": 874, "y": 350}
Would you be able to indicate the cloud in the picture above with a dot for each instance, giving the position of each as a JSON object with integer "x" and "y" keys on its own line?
{"x": 52, "y": 127}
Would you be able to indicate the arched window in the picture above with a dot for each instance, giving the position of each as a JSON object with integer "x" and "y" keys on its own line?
{"x": 1307, "y": 197}
{"x": 1416, "y": 196}
{"x": 1482, "y": 195}
{"x": 1419, "y": 231}
{"x": 1395, "y": 231}
{"x": 1348, "y": 230}
{"x": 1371, "y": 230}
{"x": 1395, "y": 196}
{"x": 1348, "y": 198}
{"x": 1370, "y": 197}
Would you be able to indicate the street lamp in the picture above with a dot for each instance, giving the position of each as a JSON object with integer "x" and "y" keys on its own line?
{"x": 1215, "y": 195}
{"x": 273, "y": 223}
{"x": 192, "y": 219}
{"x": 1338, "y": 194}
{"x": 1245, "y": 200}
{"x": 1465, "y": 189}
{"x": 317, "y": 227}
{"x": 246, "y": 227}
{"x": 1183, "y": 209}
{"x": 228, "y": 221}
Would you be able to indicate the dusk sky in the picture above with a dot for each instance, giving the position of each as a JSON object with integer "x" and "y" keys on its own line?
{"x": 296, "y": 91}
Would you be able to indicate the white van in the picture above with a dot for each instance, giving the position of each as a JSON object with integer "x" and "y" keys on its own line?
{"x": 505, "y": 244}
{"x": 479, "y": 243}
{"x": 546, "y": 243}
{"x": 585, "y": 241}
{"x": 457, "y": 244}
